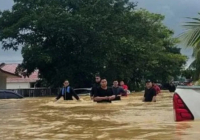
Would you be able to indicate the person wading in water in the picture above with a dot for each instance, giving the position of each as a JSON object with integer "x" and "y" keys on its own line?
{"x": 157, "y": 88}
{"x": 117, "y": 90}
{"x": 104, "y": 94}
{"x": 125, "y": 87}
{"x": 95, "y": 86}
{"x": 150, "y": 92}
{"x": 67, "y": 92}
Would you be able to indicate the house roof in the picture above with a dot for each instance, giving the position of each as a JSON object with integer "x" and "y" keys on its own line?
{"x": 8, "y": 73}
{"x": 10, "y": 68}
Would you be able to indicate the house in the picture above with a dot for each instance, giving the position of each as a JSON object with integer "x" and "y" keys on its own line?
{"x": 17, "y": 81}
{"x": 4, "y": 75}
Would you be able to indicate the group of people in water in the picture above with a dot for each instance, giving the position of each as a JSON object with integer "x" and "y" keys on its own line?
{"x": 101, "y": 93}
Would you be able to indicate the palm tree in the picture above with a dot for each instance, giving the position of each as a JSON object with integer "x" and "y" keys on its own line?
{"x": 196, "y": 63}
{"x": 191, "y": 38}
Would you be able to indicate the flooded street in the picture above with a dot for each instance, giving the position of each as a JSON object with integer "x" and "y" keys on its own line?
{"x": 129, "y": 119}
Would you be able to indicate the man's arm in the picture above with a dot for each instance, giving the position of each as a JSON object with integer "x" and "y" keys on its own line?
{"x": 159, "y": 91}
{"x": 74, "y": 94}
{"x": 112, "y": 95}
{"x": 154, "y": 95}
{"x": 97, "y": 98}
{"x": 122, "y": 91}
{"x": 92, "y": 92}
{"x": 154, "y": 99}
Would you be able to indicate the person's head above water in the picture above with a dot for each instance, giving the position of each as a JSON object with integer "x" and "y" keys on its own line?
{"x": 97, "y": 78}
{"x": 103, "y": 83}
{"x": 115, "y": 83}
{"x": 121, "y": 83}
{"x": 148, "y": 84}
{"x": 66, "y": 83}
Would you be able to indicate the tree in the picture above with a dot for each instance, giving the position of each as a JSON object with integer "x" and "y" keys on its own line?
{"x": 188, "y": 73}
{"x": 191, "y": 38}
{"x": 74, "y": 39}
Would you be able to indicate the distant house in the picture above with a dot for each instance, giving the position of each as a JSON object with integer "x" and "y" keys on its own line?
{"x": 18, "y": 82}
{"x": 4, "y": 75}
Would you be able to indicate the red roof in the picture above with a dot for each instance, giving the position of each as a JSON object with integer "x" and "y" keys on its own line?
{"x": 7, "y": 72}
{"x": 11, "y": 69}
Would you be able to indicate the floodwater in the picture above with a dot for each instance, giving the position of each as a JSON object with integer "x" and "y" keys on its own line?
{"x": 129, "y": 119}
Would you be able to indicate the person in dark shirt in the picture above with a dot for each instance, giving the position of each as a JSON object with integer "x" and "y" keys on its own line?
{"x": 150, "y": 92}
{"x": 67, "y": 92}
{"x": 104, "y": 94}
{"x": 117, "y": 90}
{"x": 95, "y": 86}
{"x": 172, "y": 87}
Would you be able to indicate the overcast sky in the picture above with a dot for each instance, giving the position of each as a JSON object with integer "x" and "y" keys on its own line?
{"x": 175, "y": 12}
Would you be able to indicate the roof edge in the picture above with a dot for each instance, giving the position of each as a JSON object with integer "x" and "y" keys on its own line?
{"x": 2, "y": 64}
{"x": 9, "y": 72}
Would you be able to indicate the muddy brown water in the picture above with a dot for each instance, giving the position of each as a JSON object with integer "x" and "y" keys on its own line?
{"x": 129, "y": 119}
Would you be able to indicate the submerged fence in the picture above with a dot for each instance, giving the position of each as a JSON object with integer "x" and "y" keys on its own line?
{"x": 37, "y": 92}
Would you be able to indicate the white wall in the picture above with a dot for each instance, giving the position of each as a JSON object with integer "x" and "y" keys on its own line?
{"x": 17, "y": 85}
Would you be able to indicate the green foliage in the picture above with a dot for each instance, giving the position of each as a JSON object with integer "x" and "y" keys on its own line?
{"x": 191, "y": 37}
{"x": 197, "y": 83}
{"x": 188, "y": 73}
{"x": 74, "y": 39}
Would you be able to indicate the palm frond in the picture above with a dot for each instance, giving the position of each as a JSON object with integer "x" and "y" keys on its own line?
{"x": 191, "y": 24}
{"x": 192, "y": 65}
{"x": 196, "y": 50}
{"x": 191, "y": 36}
{"x": 198, "y": 19}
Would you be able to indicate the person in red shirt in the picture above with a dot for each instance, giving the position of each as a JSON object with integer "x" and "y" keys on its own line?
{"x": 125, "y": 87}
{"x": 157, "y": 88}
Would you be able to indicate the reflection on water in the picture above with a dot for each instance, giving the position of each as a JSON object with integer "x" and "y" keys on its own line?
{"x": 129, "y": 119}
